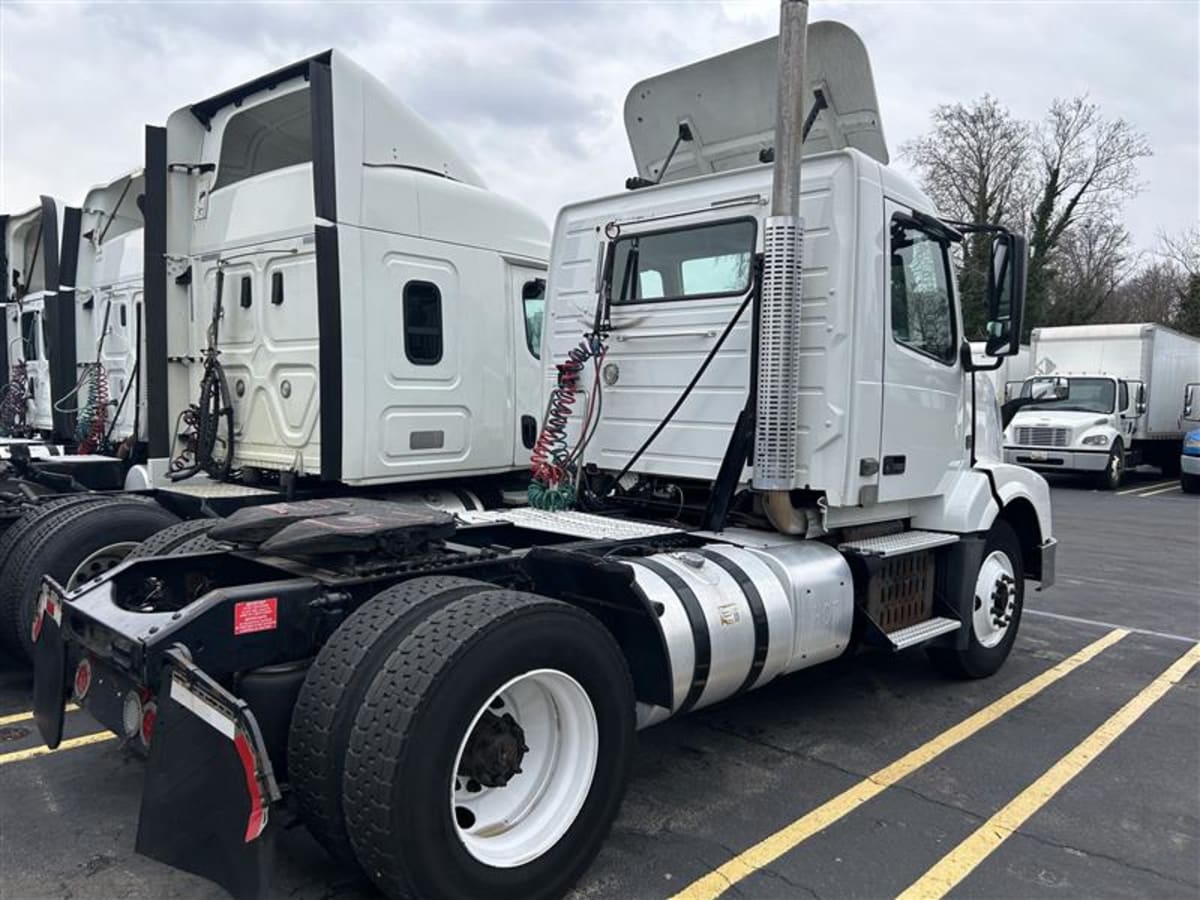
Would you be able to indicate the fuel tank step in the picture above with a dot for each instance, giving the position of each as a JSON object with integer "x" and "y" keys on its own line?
{"x": 922, "y": 631}
{"x": 898, "y": 544}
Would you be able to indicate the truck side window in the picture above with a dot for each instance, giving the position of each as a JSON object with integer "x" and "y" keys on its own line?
{"x": 922, "y": 304}
{"x": 29, "y": 341}
{"x": 533, "y": 304}
{"x": 422, "y": 323}
{"x": 1123, "y": 397}
{"x": 714, "y": 259}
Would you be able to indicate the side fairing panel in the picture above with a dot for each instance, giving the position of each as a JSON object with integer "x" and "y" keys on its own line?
{"x": 427, "y": 394}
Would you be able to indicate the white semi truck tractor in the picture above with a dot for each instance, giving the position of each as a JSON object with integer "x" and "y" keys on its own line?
{"x": 758, "y": 453}
{"x": 1105, "y": 398}
{"x": 331, "y": 301}
{"x": 31, "y": 256}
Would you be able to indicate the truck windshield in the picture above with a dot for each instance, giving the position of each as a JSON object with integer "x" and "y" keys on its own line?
{"x": 1087, "y": 395}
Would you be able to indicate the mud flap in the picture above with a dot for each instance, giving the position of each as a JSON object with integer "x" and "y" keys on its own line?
{"x": 209, "y": 787}
{"x": 49, "y": 665}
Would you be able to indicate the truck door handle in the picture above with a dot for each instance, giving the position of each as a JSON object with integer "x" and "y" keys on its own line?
{"x": 665, "y": 334}
{"x": 528, "y": 431}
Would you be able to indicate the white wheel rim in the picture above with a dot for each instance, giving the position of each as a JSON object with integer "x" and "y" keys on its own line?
{"x": 511, "y": 825}
{"x": 100, "y": 562}
{"x": 995, "y": 599}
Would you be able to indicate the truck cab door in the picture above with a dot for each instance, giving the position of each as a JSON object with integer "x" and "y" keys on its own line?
{"x": 527, "y": 301}
{"x": 924, "y": 410}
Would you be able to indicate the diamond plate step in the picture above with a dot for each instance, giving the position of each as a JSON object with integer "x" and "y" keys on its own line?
{"x": 898, "y": 544}
{"x": 923, "y": 631}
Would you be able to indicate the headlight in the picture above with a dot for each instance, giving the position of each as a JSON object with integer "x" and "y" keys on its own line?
{"x": 1192, "y": 442}
{"x": 1094, "y": 439}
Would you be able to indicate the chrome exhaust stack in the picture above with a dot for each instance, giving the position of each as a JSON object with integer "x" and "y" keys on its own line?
{"x": 777, "y": 420}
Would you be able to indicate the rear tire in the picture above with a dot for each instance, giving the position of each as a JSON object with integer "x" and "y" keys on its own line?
{"x": 14, "y": 535}
{"x": 190, "y": 536}
{"x": 996, "y": 615}
{"x": 73, "y": 545}
{"x": 1190, "y": 483}
{"x": 419, "y": 742}
{"x": 333, "y": 691}
{"x": 1114, "y": 469}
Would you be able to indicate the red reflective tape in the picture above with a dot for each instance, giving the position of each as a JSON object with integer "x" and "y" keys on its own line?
{"x": 251, "y": 616}
{"x": 258, "y": 814}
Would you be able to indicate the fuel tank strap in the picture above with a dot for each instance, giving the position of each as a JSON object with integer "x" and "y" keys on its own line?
{"x": 758, "y": 612}
{"x": 695, "y": 616}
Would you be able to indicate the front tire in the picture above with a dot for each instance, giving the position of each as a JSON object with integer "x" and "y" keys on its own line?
{"x": 492, "y": 750}
{"x": 998, "y": 599}
{"x": 1189, "y": 483}
{"x": 1114, "y": 469}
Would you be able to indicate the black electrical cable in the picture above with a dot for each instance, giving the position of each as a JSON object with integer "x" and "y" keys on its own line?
{"x": 682, "y": 397}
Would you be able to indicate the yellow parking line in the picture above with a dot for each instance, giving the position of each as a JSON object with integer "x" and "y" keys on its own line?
{"x": 771, "y": 848}
{"x": 1145, "y": 487}
{"x": 25, "y": 716}
{"x": 1166, "y": 490}
{"x": 962, "y": 860}
{"x": 68, "y": 744}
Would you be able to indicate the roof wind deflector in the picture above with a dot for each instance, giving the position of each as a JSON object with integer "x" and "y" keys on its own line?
{"x": 729, "y": 102}
{"x": 206, "y": 109}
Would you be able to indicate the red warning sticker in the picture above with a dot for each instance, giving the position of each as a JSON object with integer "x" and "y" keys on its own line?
{"x": 250, "y": 616}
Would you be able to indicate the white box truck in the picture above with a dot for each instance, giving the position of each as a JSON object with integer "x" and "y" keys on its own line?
{"x": 1122, "y": 385}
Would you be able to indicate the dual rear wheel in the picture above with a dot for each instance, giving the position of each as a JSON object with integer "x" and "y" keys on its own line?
{"x": 458, "y": 741}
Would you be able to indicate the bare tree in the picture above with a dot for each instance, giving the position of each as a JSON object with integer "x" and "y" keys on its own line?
{"x": 1093, "y": 262}
{"x": 1087, "y": 166}
{"x": 974, "y": 164}
{"x": 1183, "y": 251}
{"x": 1151, "y": 294}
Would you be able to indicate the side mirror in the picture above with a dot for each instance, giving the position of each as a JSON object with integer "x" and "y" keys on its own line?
{"x": 1189, "y": 394}
{"x": 1141, "y": 400}
{"x": 1006, "y": 294}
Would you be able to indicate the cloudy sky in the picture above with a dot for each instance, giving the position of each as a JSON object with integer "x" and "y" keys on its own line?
{"x": 534, "y": 90}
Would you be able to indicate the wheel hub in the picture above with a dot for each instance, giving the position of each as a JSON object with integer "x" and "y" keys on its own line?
{"x": 1001, "y": 610}
{"x": 494, "y": 750}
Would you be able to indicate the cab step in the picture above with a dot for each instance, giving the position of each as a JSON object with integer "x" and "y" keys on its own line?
{"x": 889, "y": 545}
{"x": 922, "y": 631}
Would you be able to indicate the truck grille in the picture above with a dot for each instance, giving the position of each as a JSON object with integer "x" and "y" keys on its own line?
{"x": 1042, "y": 436}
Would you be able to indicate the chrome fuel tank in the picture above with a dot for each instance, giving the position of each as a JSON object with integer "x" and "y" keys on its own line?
{"x": 734, "y": 618}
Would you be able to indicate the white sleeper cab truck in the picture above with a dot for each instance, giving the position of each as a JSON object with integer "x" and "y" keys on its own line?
{"x": 31, "y": 321}
{"x": 451, "y": 698}
{"x": 96, "y": 403}
{"x": 108, "y": 315}
{"x": 332, "y": 300}
{"x": 1105, "y": 398}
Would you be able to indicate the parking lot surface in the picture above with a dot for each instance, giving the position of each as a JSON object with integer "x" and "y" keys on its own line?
{"x": 1074, "y": 772}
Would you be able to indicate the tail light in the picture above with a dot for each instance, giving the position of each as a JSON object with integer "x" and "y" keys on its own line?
{"x": 83, "y": 678}
{"x": 149, "y": 717}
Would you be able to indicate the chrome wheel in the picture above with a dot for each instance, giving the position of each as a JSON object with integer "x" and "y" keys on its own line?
{"x": 98, "y": 563}
{"x": 995, "y": 599}
{"x": 524, "y": 768}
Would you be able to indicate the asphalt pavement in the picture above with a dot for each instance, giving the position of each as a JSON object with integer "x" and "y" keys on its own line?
{"x": 1073, "y": 772}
